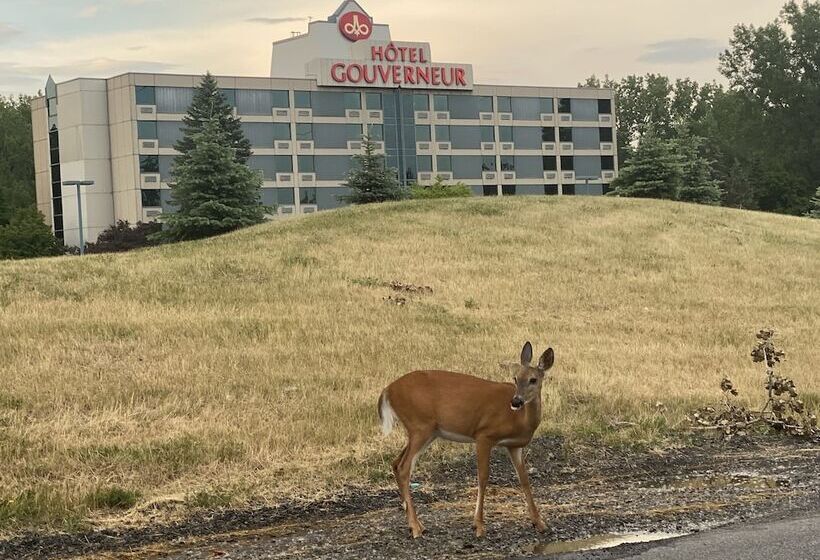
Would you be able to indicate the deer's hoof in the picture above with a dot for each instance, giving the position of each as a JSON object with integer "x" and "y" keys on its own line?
{"x": 539, "y": 525}
{"x": 480, "y": 532}
{"x": 417, "y": 532}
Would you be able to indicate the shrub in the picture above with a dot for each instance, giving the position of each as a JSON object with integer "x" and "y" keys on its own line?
{"x": 113, "y": 497}
{"x": 121, "y": 237}
{"x": 27, "y": 236}
{"x": 440, "y": 190}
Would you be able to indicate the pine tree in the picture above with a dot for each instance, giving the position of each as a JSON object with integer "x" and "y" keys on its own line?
{"x": 697, "y": 184}
{"x": 370, "y": 180}
{"x": 814, "y": 211}
{"x": 654, "y": 171}
{"x": 209, "y": 103}
{"x": 214, "y": 193}
{"x": 27, "y": 236}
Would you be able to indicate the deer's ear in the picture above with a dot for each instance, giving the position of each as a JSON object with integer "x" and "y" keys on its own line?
{"x": 526, "y": 354}
{"x": 546, "y": 360}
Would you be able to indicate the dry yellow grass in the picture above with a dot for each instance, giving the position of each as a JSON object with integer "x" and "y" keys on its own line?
{"x": 249, "y": 365}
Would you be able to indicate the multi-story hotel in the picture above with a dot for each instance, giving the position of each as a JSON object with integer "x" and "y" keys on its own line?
{"x": 343, "y": 79}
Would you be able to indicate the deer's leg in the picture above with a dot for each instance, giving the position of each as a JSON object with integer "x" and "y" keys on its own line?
{"x": 517, "y": 457}
{"x": 483, "y": 448}
{"x": 396, "y": 464}
{"x": 416, "y": 444}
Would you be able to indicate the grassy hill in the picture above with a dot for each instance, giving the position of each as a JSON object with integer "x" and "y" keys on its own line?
{"x": 248, "y": 366}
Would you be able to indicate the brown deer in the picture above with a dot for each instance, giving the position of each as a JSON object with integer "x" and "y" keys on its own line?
{"x": 466, "y": 409}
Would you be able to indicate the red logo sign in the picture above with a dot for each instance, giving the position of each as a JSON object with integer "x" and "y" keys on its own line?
{"x": 356, "y": 26}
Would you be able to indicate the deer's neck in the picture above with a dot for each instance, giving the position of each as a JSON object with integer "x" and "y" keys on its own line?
{"x": 533, "y": 412}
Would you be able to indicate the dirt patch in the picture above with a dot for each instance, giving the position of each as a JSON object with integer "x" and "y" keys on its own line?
{"x": 582, "y": 494}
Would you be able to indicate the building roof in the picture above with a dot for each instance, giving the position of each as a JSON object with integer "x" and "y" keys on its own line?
{"x": 347, "y": 6}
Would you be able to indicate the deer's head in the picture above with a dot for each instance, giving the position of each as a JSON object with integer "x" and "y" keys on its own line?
{"x": 527, "y": 378}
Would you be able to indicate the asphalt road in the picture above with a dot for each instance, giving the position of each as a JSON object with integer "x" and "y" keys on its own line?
{"x": 785, "y": 539}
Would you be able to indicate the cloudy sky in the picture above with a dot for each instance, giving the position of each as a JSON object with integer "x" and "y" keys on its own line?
{"x": 521, "y": 42}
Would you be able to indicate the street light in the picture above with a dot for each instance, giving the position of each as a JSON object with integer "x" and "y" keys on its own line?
{"x": 79, "y": 184}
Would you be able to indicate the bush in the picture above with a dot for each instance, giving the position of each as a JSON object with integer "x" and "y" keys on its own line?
{"x": 27, "y": 236}
{"x": 121, "y": 237}
{"x": 112, "y": 497}
{"x": 440, "y": 190}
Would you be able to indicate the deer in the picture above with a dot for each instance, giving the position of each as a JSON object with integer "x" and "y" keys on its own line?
{"x": 461, "y": 408}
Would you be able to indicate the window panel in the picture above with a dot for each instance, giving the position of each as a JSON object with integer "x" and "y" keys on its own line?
{"x": 508, "y": 190}
{"x": 421, "y": 102}
{"x": 527, "y": 137}
{"x": 586, "y": 138}
{"x": 328, "y": 198}
{"x": 271, "y": 165}
{"x": 444, "y": 163}
{"x": 468, "y": 106}
{"x": 423, "y": 133}
{"x": 151, "y": 198}
{"x": 605, "y": 106}
{"x": 304, "y": 132}
{"x": 548, "y": 134}
{"x": 306, "y": 164}
{"x": 301, "y": 99}
{"x": 335, "y": 136}
{"x": 375, "y": 132}
{"x": 166, "y": 166}
{"x": 585, "y": 110}
{"x": 230, "y": 96}
{"x": 490, "y": 190}
{"x": 565, "y": 134}
{"x": 169, "y": 133}
{"x": 373, "y": 100}
{"x": 332, "y": 168}
{"x": 465, "y": 137}
{"x": 488, "y": 163}
{"x": 146, "y": 95}
{"x": 507, "y": 163}
{"x": 442, "y": 133}
{"x": 605, "y": 134}
{"x": 147, "y": 130}
{"x": 587, "y": 167}
{"x": 174, "y": 100}
{"x": 550, "y": 163}
{"x": 424, "y": 163}
{"x": 278, "y": 196}
{"x": 149, "y": 164}
{"x": 567, "y": 163}
{"x": 529, "y": 167}
{"x": 551, "y": 190}
{"x": 440, "y": 103}
{"x": 263, "y": 135}
{"x": 505, "y": 134}
{"x": 254, "y": 102}
{"x": 607, "y": 163}
{"x": 488, "y": 134}
{"x": 526, "y": 108}
{"x": 307, "y": 195}
{"x": 547, "y": 105}
{"x": 504, "y": 104}
{"x": 565, "y": 105}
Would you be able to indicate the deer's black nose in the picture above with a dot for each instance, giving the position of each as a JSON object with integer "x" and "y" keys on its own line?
{"x": 516, "y": 403}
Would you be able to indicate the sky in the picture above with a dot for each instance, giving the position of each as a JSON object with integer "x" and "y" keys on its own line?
{"x": 513, "y": 42}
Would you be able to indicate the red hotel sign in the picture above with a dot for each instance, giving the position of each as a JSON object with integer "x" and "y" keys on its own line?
{"x": 395, "y": 65}
{"x": 356, "y": 26}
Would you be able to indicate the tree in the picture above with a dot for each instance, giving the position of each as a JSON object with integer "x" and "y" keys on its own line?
{"x": 121, "y": 237}
{"x": 209, "y": 103}
{"x": 654, "y": 171}
{"x": 16, "y": 156}
{"x": 440, "y": 190}
{"x": 213, "y": 192}
{"x": 697, "y": 182}
{"x": 27, "y": 236}
{"x": 370, "y": 180}
{"x": 814, "y": 211}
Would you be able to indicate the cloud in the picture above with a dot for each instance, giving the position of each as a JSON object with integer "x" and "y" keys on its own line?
{"x": 7, "y": 32}
{"x": 274, "y": 21}
{"x": 89, "y": 11}
{"x": 682, "y": 51}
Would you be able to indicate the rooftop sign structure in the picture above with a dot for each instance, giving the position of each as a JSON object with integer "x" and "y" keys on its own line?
{"x": 351, "y": 50}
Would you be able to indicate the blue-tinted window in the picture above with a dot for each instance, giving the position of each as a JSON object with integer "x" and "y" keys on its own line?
{"x": 550, "y": 163}
{"x": 271, "y": 165}
{"x": 440, "y": 103}
{"x": 587, "y": 167}
{"x": 259, "y": 102}
{"x": 467, "y": 167}
{"x": 263, "y": 135}
{"x": 230, "y": 96}
{"x": 306, "y": 164}
{"x": 169, "y": 133}
{"x": 526, "y": 108}
{"x": 424, "y": 163}
{"x": 565, "y": 105}
{"x": 469, "y": 106}
{"x": 146, "y": 95}
{"x": 423, "y": 133}
{"x": 551, "y": 190}
{"x": 567, "y": 163}
{"x": 174, "y": 100}
{"x": 307, "y": 195}
{"x": 335, "y": 136}
{"x": 488, "y": 163}
{"x": 421, "y": 102}
{"x": 586, "y": 138}
{"x": 605, "y": 106}
{"x": 151, "y": 198}
{"x": 565, "y": 134}
{"x": 605, "y": 134}
{"x": 301, "y": 99}
{"x": 328, "y": 103}
{"x": 375, "y": 132}
{"x": 505, "y": 134}
{"x": 373, "y": 100}
{"x": 147, "y": 130}
{"x": 504, "y": 104}
{"x": 529, "y": 167}
{"x": 149, "y": 164}
{"x": 547, "y": 105}
{"x": 487, "y": 134}
{"x": 328, "y": 198}
{"x": 528, "y": 137}
{"x": 444, "y": 163}
{"x": 508, "y": 190}
{"x": 442, "y": 133}
{"x": 548, "y": 134}
{"x": 304, "y": 131}
{"x": 607, "y": 163}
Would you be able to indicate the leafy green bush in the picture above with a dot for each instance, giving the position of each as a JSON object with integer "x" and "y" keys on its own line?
{"x": 27, "y": 236}
{"x": 440, "y": 190}
{"x": 121, "y": 237}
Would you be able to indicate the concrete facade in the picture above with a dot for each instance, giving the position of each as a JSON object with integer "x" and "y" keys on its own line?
{"x": 499, "y": 140}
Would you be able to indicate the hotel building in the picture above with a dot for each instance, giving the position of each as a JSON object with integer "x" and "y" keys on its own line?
{"x": 343, "y": 79}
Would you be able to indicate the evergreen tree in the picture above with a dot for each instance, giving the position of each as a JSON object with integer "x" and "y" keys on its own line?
{"x": 654, "y": 171}
{"x": 697, "y": 184}
{"x": 209, "y": 103}
{"x": 370, "y": 180}
{"x": 814, "y": 211}
{"x": 214, "y": 193}
{"x": 16, "y": 156}
{"x": 27, "y": 236}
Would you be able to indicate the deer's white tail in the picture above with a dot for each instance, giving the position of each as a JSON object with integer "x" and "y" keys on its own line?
{"x": 387, "y": 415}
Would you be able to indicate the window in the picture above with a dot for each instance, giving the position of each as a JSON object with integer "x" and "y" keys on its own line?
{"x": 304, "y": 131}
{"x": 307, "y": 195}
{"x": 608, "y": 163}
{"x": 469, "y": 107}
{"x": 505, "y": 134}
{"x": 567, "y": 163}
{"x": 548, "y": 134}
{"x": 606, "y": 134}
{"x": 169, "y": 133}
{"x": 335, "y": 136}
{"x": 146, "y": 95}
{"x": 151, "y": 198}
{"x": 550, "y": 163}
{"x": 147, "y": 130}
{"x": 255, "y": 102}
{"x": 487, "y": 134}
{"x": 281, "y": 131}
{"x": 526, "y": 108}
{"x": 301, "y": 99}
{"x": 375, "y": 132}
{"x": 440, "y": 103}
{"x": 508, "y": 190}
{"x": 442, "y": 133}
{"x": 421, "y": 102}
{"x": 565, "y": 105}
{"x": 230, "y": 96}
{"x": 306, "y": 164}
{"x": 547, "y": 105}
{"x": 504, "y": 104}
{"x": 269, "y": 166}
{"x": 444, "y": 163}
{"x": 149, "y": 164}
{"x": 565, "y": 134}
{"x": 373, "y": 100}
{"x": 490, "y": 190}
{"x": 423, "y": 133}
{"x": 604, "y": 106}
{"x": 586, "y": 138}
{"x": 425, "y": 163}
{"x": 174, "y": 100}
{"x": 550, "y": 189}
{"x": 569, "y": 190}
{"x": 507, "y": 163}
{"x": 527, "y": 137}
{"x": 353, "y": 100}
{"x": 488, "y": 163}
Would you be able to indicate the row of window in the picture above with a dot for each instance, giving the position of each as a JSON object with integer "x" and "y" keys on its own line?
{"x": 336, "y": 168}
{"x": 335, "y": 136}
{"x": 176, "y": 100}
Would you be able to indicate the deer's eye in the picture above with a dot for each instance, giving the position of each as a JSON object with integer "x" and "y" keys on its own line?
{"x": 533, "y": 381}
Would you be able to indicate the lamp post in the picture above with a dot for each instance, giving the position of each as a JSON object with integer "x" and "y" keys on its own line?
{"x": 79, "y": 184}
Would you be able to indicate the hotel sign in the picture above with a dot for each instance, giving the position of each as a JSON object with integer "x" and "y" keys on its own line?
{"x": 392, "y": 65}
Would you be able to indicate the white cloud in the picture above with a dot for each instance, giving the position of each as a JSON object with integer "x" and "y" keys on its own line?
{"x": 89, "y": 11}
